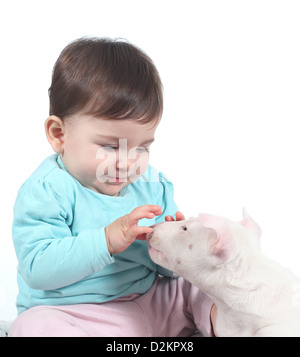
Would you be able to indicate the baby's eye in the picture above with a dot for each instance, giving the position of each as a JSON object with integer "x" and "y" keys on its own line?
{"x": 184, "y": 228}
{"x": 141, "y": 149}
{"x": 109, "y": 147}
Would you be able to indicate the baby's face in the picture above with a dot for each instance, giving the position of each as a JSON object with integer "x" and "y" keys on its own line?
{"x": 106, "y": 155}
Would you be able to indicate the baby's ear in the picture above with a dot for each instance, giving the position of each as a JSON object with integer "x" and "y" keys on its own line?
{"x": 55, "y": 132}
{"x": 250, "y": 224}
{"x": 221, "y": 241}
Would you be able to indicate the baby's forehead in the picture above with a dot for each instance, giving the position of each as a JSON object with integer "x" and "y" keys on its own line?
{"x": 122, "y": 128}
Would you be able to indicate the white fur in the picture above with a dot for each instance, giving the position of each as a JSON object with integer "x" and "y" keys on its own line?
{"x": 254, "y": 295}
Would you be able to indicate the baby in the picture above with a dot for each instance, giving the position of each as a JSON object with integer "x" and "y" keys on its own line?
{"x": 81, "y": 219}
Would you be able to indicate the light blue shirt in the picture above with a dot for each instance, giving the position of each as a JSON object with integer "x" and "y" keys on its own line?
{"x": 58, "y": 233}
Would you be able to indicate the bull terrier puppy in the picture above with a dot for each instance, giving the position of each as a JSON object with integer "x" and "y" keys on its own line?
{"x": 254, "y": 295}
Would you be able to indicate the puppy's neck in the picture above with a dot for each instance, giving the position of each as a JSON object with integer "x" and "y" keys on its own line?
{"x": 252, "y": 288}
{"x": 246, "y": 294}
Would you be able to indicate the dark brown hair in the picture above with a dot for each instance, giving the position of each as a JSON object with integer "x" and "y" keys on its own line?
{"x": 105, "y": 78}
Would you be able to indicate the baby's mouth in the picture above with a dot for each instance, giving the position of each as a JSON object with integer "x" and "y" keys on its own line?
{"x": 116, "y": 180}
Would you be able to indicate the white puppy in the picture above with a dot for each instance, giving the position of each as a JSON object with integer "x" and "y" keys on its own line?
{"x": 254, "y": 295}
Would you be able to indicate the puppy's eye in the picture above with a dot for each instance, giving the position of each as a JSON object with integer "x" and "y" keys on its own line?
{"x": 185, "y": 228}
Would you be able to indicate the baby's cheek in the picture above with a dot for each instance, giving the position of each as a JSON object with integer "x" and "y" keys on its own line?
{"x": 138, "y": 168}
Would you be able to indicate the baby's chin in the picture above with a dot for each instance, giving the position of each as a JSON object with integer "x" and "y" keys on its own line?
{"x": 110, "y": 186}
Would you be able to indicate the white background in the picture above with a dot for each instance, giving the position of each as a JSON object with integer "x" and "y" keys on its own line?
{"x": 229, "y": 136}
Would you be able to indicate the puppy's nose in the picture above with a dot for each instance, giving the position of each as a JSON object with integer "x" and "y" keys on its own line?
{"x": 149, "y": 236}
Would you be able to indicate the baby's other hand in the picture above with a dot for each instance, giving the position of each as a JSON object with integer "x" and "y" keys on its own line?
{"x": 179, "y": 217}
{"x": 121, "y": 233}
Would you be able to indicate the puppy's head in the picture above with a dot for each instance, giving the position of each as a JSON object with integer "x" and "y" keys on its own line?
{"x": 202, "y": 244}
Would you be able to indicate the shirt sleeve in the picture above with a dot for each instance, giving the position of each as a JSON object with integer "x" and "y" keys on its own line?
{"x": 49, "y": 256}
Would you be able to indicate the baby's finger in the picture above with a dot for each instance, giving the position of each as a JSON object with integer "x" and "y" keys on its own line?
{"x": 179, "y": 216}
{"x": 145, "y": 211}
{"x": 137, "y": 232}
{"x": 169, "y": 219}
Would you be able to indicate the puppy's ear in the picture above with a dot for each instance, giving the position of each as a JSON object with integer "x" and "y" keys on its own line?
{"x": 221, "y": 241}
{"x": 250, "y": 224}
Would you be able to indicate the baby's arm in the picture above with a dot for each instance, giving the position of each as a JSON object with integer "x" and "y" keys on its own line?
{"x": 121, "y": 233}
{"x": 50, "y": 254}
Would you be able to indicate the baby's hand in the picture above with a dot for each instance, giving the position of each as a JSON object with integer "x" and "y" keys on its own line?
{"x": 179, "y": 217}
{"x": 121, "y": 233}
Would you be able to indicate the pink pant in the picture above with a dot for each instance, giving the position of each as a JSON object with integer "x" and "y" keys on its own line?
{"x": 172, "y": 307}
